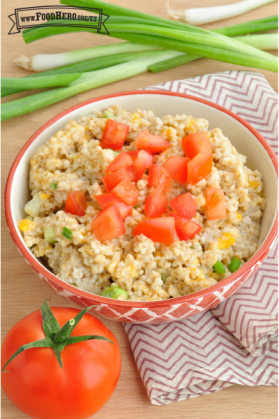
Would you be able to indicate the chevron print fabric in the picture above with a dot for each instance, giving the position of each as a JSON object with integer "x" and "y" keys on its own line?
{"x": 236, "y": 342}
{"x": 193, "y": 357}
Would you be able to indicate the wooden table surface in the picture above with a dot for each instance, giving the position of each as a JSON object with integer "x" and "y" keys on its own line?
{"x": 23, "y": 292}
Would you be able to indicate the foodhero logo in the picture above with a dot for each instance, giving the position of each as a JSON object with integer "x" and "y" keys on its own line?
{"x": 48, "y": 16}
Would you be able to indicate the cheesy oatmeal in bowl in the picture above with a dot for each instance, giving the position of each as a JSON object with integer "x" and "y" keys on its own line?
{"x": 132, "y": 206}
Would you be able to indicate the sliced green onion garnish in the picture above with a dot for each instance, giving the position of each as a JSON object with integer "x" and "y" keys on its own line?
{"x": 29, "y": 218}
{"x": 49, "y": 234}
{"x": 234, "y": 265}
{"x": 67, "y": 233}
{"x": 108, "y": 114}
{"x": 136, "y": 206}
{"x": 219, "y": 268}
{"x": 164, "y": 278}
{"x": 115, "y": 292}
{"x": 53, "y": 185}
{"x": 192, "y": 247}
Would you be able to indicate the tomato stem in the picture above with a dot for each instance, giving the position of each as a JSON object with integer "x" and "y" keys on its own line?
{"x": 56, "y": 337}
{"x": 44, "y": 343}
{"x": 50, "y": 324}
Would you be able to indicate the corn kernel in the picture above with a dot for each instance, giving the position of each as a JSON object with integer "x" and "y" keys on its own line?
{"x": 239, "y": 216}
{"x": 226, "y": 241}
{"x": 135, "y": 118}
{"x": 44, "y": 196}
{"x": 254, "y": 184}
{"x": 26, "y": 225}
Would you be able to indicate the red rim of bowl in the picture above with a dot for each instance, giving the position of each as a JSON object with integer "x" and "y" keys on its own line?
{"x": 258, "y": 256}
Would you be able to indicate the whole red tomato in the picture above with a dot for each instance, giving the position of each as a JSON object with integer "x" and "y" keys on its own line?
{"x": 37, "y": 384}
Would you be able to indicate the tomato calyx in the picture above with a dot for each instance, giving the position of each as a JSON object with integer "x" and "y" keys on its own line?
{"x": 57, "y": 337}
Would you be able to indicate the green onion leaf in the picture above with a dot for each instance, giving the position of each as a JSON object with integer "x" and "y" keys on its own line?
{"x": 115, "y": 292}
{"x": 67, "y": 233}
{"x": 252, "y": 26}
{"x": 234, "y": 265}
{"x": 53, "y": 185}
{"x": 219, "y": 268}
{"x": 27, "y": 83}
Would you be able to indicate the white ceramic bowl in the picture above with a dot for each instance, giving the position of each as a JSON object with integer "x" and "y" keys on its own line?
{"x": 241, "y": 134}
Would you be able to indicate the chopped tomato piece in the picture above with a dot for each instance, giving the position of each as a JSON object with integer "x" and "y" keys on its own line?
{"x": 196, "y": 143}
{"x": 177, "y": 168}
{"x": 106, "y": 199}
{"x": 199, "y": 167}
{"x": 76, "y": 203}
{"x": 153, "y": 143}
{"x": 134, "y": 153}
{"x": 108, "y": 224}
{"x": 122, "y": 160}
{"x": 110, "y": 181}
{"x": 126, "y": 191}
{"x": 158, "y": 175}
{"x": 185, "y": 229}
{"x": 156, "y": 203}
{"x": 141, "y": 164}
{"x": 114, "y": 135}
{"x": 215, "y": 204}
{"x": 159, "y": 230}
{"x": 184, "y": 205}
{"x": 130, "y": 172}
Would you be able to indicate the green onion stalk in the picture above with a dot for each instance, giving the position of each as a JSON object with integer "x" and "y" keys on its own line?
{"x": 59, "y": 76}
{"x": 8, "y": 88}
{"x": 118, "y": 11}
{"x": 85, "y": 82}
{"x": 216, "y": 47}
{"x": 266, "y": 41}
{"x": 44, "y": 62}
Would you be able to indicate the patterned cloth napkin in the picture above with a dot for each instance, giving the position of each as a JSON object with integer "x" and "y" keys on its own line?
{"x": 236, "y": 342}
